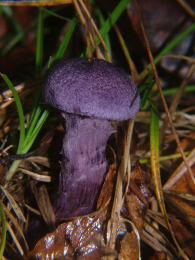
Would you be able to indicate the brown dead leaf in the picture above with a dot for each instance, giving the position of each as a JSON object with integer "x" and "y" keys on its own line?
{"x": 129, "y": 247}
{"x": 136, "y": 200}
{"x": 83, "y": 236}
{"x": 75, "y": 239}
{"x": 159, "y": 256}
{"x": 80, "y": 237}
{"x": 180, "y": 191}
{"x": 106, "y": 192}
{"x": 185, "y": 236}
{"x": 153, "y": 13}
{"x": 160, "y": 30}
{"x": 44, "y": 204}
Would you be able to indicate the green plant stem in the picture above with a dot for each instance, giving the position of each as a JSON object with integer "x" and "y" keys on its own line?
{"x": 12, "y": 170}
{"x": 3, "y": 231}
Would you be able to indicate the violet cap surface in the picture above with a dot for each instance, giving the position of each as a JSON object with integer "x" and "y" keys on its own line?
{"x": 93, "y": 88}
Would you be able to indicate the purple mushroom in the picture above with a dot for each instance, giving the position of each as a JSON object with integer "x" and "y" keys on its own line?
{"x": 89, "y": 93}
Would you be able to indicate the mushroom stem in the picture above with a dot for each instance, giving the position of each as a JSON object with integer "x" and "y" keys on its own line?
{"x": 83, "y": 166}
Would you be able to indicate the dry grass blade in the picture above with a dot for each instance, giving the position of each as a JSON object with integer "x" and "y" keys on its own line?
{"x": 131, "y": 64}
{"x": 16, "y": 225}
{"x": 180, "y": 92}
{"x": 91, "y": 31}
{"x": 180, "y": 171}
{"x": 7, "y": 94}
{"x": 38, "y": 159}
{"x": 163, "y": 99}
{"x": 26, "y": 198}
{"x": 34, "y": 211}
{"x": 14, "y": 205}
{"x": 177, "y": 97}
{"x": 7, "y": 103}
{"x": 187, "y": 197}
{"x": 152, "y": 233}
{"x": 85, "y": 24}
{"x": 44, "y": 204}
{"x": 157, "y": 217}
{"x": 95, "y": 30}
{"x": 119, "y": 196}
{"x": 6, "y": 97}
{"x": 16, "y": 242}
{"x": 156, "y": 233}
{"x": 39, "y": 177}
{"x": 180, "y": 57}
{"x": 149, "y": 239}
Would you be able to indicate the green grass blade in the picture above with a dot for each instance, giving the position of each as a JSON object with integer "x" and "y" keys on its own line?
{"x": 19, "y": 32}
{"x": 171, "y": 45}
{"x": 145, "y": 89}
{"x": 39, "y": 43}
{"x": 52, "y": 13}
{"x": 33, "y": 121}
{"x": 110, "y": 21}
{"x": 154, "y": 134}
{"x": 18, "y": 37}
{"x": 108, "y": 24}
{"x": 3, "y": 231}
{"x": 175, "y": 42}
{"x": 171, "y": 91}
{"x": 8, "y": 11}
{"x": 20, "y": 111}
{"x": 145, "y": 100}
{"x": 106, "y": 36}
{"x": 155, "y": 167}
{"x": 66, "y": 40}
{"x": 28, "y": 142}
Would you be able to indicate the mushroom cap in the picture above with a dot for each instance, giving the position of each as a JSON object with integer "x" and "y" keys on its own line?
{"x": 92, "y": 87}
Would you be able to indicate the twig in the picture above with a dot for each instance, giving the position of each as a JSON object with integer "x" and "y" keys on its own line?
{"x": 186, "y": 7}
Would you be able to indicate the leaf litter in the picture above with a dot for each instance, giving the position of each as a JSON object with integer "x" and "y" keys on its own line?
{"x": 136, "y": 219}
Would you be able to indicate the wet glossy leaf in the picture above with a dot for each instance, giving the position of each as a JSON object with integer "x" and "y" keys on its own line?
{"x": 77, "y": 238}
